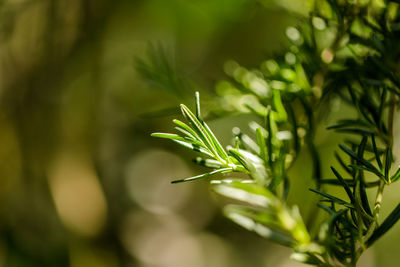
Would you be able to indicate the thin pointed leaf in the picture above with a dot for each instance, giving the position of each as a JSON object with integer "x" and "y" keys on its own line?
{"x": 382, "y": 105}
{"x": 358, "y": 131}
{"x": 189, "y": 143}
{"x": 350, "y": 182}
{"x": 277, "y": 100}
{"x": 377, "y": 156}
{"x": 252, "y": 194}
{"x": 364, "y": 168}
{"x": 249, "y": 143}
{"x": 388, "y": 163}
{"x": 224, "y": 170}
{"x": 199, "y": 129}
{"x": 252, "y": 225}
{"x": 364, "y": 162}
{"x": 395, "y": 176}
{"x": 268, "y": 219}
{"x": 251, "y": 163}
{"x": 333, "y": 199}
{"x": 347, "y": 123}
{"x": 209, "y": 163}
{"x": 293, "y": 120}
{"x": 361, "y": 147}
{"x": 368, "y": 148}
{"x": 203, "y": 130}
{"x": 393, "y": 217}
{"x": 184, "y": 132}
{"x": 194, "y": 147}
{"x": 168, "y": 136}
{"x": 341, "y": 162}
{"x": 187, "y": 128}
{"x": 218, "y": 146}
{"x": 269, "y": 140}
{"x": 344, "y": 184}
{"x": 261, "y": 144}
{"x": 197, "y": 100}
{"x": 362, "y": 204}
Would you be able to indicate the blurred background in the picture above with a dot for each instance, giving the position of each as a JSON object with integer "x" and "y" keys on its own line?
{"x": 82, "y": 183}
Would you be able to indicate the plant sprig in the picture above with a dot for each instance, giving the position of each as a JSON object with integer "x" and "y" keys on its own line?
{"x": 289, "y": 95}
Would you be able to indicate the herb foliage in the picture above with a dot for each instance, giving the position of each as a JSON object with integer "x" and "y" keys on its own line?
{"x": 347, "y": 50}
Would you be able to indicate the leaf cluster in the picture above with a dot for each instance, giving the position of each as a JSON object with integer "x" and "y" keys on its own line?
{"x": 346, "y": 51}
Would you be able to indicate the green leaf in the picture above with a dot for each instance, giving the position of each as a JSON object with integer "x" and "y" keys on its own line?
{"x": 277, "y": 100}
{"x": 168, "y": 136}
{"x": 242, "y": 160}
{"x": 184, "y": 132}
{"x": 381, "y": 106}
{"x": 251, "y": 163}
{"x": 194, "y": 147}
{"x": 395, "y": 176}
{"x": 207, "y": 135}
{"x": 341, "y": 162}
{"x": 333, "y": 199}
{"x": 357, "y": 103}
{"x": 362, "y": 202}
{"x": 199, "y": 129}
{"x": 377, "y": 155}
{"x": 251, "y": 224}
{"x": 184, "y": 126}
{"x": 350, "y": 182}
{"x": 262, "y": 216}
{"x": 269, "y": 140}
{"x": 261, "y": 144}
{"x": 344, "y": 184}
{"x": 293, "y": 120}
{"x": 362, "y": 161}
{"x": 388, "y": 164}
{"x": 348, "y": 123}
{"x": 362, "y": 146}
{"x": 393, "y": 217}
{"x": 252, "y": 194}
{"x": 247, "y": 141}
{"x": 368, "y": 148}
{"x": 188, "y": 143}
{"x": 358, "y": 131}
{"x": 209, "y": 163}
{"x": 224, "y": 170}
{"x": 197, "y": 100}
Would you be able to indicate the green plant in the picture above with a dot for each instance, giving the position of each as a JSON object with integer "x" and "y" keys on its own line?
{"x": 345, "y": 50}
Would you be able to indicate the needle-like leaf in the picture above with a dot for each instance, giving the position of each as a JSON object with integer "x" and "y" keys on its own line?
{"x": 197, "y": 177}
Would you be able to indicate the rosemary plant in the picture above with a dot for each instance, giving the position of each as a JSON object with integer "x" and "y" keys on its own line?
{"x": 347, "y": 50}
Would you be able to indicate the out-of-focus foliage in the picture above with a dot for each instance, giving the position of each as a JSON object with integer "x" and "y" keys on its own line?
{"x": 82, "y": 182}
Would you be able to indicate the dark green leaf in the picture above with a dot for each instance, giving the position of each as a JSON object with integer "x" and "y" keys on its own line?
{"x": 350, "y": 182}
{"x": 388, "y": 163}
{"x": 393, "y": 217}
{"x": 344, "y": 184}
{"x": 377, "y": 155}
{"x": 293, "y": 120}
{"x": 362, "y": 161}
{"x": 333, "y": 199}
{"x": 341, "y": 162}
{"x": 269, "y": 140}
{"x": 395, "y": 176}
